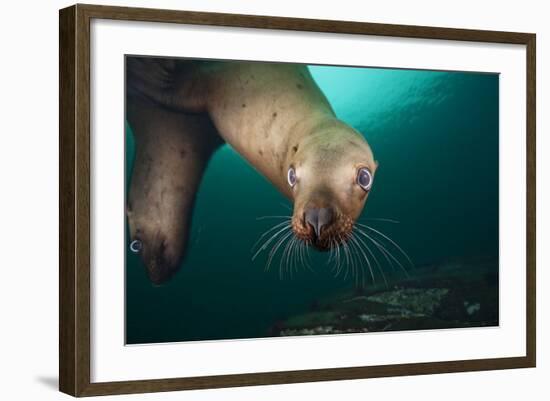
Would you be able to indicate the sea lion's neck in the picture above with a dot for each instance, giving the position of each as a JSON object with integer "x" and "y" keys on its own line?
{"x": 264, "y": 110}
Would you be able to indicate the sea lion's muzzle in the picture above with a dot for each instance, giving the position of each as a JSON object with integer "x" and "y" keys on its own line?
{"x": 322, "y": 227}
{"x": 319, "y": 220}
{"x": 161, "y": 262}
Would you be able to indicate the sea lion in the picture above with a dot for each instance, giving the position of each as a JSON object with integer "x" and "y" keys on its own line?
{"x": 172, "y": 150}
{"x": 278, "y": 119}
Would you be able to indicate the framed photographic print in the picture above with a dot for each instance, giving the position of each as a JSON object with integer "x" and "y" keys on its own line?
{"x": 251, "y": 200}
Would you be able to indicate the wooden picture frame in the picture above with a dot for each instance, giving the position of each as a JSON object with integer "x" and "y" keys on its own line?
{"x": 74, "y": 204}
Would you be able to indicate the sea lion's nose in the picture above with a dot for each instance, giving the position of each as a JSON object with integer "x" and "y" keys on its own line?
{"x": 318, "y": 218}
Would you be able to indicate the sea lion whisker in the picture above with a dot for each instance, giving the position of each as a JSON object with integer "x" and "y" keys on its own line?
{"x": 361, "y": 266}
{"x": 335, "y": 255}
{"x": 352, "y": 255}
{"x": 356, "y": 247}
{"x": 354, "y": 240}
{"x": 339, "y": 258}
{"x": 355, "y": 271}
{"x": 332, "y": 250}
{"x": 360, "y": 270}
{"x": 362, "y": 245}
{"x": 299, "y": 255}
{"x": 280, "y": 266}
{"x": 308, "y": 256}
{"x": 356, "y": 264}
{"x": 348, "y": 259}
{"x": 385, "y": 252}
{"x": 305, "y": 249}
{"x": 303, "y": 256}
{"x": 380, "y": 249}
{"x": 274, "y": 217}
{"x": 268, "y": 241}
{"x": 276, "y": 226}
{"x": 296, "y": 253}
{"x": 291, "y": 256}
{"x": 390, "y": 240}
{"x": 386, "y": 220}
{"x": 288, "y": 262}
{"x": 275, "y": 243}
{"x": 378, "y": 264}
{"x": 275, "y": 248}
{"x": 298, "y": 249}
{"x": 296, "y": 256}
{"x": 284, "y": 255}
{"x": 285, "y": 206}
{"x": 301, "y": 247}
{"x": 283, "y": 266}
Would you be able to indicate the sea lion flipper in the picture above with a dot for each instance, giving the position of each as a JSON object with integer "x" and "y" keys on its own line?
{"x": 172, "y": 150}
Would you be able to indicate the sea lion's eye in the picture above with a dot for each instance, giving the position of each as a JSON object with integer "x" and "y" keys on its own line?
{"x": 364, "y": 178}
{"x": 291, "y": 176}
{"x": 135, "y": 246}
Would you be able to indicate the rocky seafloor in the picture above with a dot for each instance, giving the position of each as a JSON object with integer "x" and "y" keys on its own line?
{"x": 445, "y": 295}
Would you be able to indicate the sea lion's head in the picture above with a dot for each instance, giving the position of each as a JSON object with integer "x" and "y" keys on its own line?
{"x": 160, "y": 244}
{"x": 329, "y": 174}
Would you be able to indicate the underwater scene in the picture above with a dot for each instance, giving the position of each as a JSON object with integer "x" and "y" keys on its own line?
{"x": 420, "y": 253}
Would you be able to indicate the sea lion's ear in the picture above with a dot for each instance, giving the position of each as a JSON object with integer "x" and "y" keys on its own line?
{"x": 376, "y": 164}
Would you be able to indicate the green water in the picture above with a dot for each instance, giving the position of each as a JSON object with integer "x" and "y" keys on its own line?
{"x": 435, "y": 135}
